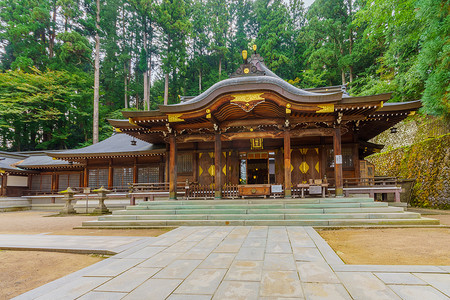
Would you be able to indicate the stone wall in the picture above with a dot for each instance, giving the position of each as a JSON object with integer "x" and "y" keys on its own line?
{"x": 412, "y": 130}
{"x": 428, "y": 161}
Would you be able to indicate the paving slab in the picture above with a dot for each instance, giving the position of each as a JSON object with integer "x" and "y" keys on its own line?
{"x": 400, "y": 278}
{"x": 417, "y": 292}
{"x": 280, "y": 284}
{"x": 245, "y": 270}
{"x": 75, "y": 244}
{"x": 202, "y": 281}
{"x": 102, "y": 296}
{"x": 179, "y": 269}
{"x": 279, "y": 262}
{"x": 325, "y": 291}
{"x": 234, "y": 262}
{"x": 364, "y": 285}
{"x": 316, "y": 272}
{"x": 218, "y": 260}
{"x": 250, "y": 254}
{"x": 439, "y": 281}
{"x": 237, "y": 290}
{"x": 128, "y": 281}
{"x": 154, "y": 289}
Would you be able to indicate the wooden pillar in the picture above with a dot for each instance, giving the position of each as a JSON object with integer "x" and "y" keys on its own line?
{"x": 55, "y": 181}
{"x": 173, "y": 167}
{"x": 338, "y": 162}
{"x": 166, "y": 164}
{"x": 3, "y": 189}
{"x": 218, "y": 165}
{"x": 135, "y": 171}
{"x": 110, "y": 174}
{"x": 287, "y": 164}
{"x": 85, "y": 177}
{"x": 195, "y": 164}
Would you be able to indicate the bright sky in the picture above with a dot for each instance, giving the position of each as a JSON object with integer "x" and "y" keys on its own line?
{"x": 308, "y": 2}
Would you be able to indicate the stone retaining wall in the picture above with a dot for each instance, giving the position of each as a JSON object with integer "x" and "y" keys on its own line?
{"x": 428, "y": 161}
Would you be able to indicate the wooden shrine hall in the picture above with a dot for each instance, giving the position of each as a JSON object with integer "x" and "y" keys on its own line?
{"x": 257, "y": 134}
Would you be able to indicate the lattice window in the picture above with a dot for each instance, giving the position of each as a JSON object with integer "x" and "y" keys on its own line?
{"x": 347, "y": 157}
{"x": 148, "y": 175}
{"x": 66, "y": 180}
{"x": 122, "y": 176}
{"x": 184, "y": 163}
{"x": 98, "y": 178}
{"x": 41, "y": 183}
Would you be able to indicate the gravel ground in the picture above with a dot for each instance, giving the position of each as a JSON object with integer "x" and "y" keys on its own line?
{"x": 396, "y": 246}
{"x": 37, "y": 222}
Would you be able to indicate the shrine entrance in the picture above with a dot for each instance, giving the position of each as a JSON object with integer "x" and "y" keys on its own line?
{"x": 257, "y": 171}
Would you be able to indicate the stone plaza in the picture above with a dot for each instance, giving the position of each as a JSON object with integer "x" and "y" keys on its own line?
{"x": 228, "y": 262}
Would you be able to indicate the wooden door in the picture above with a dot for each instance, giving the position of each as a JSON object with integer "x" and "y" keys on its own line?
{"x": 305, "y": 165}
{"x": 206, "y": 168}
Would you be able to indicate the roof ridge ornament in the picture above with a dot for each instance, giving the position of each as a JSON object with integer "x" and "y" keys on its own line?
{"x": 249, "y": 67}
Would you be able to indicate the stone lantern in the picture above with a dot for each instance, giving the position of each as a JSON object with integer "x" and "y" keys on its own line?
{"x": 68, "y": 197}
{"x": 101, "y": 209}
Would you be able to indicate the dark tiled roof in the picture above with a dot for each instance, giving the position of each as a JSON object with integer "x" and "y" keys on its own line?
{"x": 117, "y": 145}
{"x": 45, "y": 161}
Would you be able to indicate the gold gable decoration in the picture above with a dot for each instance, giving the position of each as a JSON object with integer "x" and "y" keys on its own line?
{"x": 175, "y": 118}
{"x": 325, "y": 108}
{"x": 256, "y": 143}
{"x": 247, "y": 101}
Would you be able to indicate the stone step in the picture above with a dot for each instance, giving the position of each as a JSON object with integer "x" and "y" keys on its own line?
{"x": 401, "y": 215}
{"x": 331, "y": 222}
{"x": 255, "y": 206}
{"x": 263, "y": 211}
{"x": 258, "y": 201}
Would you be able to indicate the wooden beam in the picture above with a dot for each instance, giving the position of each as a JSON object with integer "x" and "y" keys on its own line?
{"x": 337, "y": 149}
{"x": 173, "y": 167}
{"x": 189, "y": 138}
{"x": 252, "y": 122}
{"x": 311, "y": 132}
{"x": 287, "y": 164}
{"x": 229, "y": 136}
{"x": 218, "y": 164}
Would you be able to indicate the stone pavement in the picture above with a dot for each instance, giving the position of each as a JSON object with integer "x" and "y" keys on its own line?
{"x": 68, "y": 243}
{"x": 236, "y": 262}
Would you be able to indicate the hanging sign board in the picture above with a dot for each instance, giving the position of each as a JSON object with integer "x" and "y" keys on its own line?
{"x": 339, "y": 159}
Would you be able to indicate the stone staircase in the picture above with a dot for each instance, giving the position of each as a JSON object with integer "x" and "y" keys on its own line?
{"x": 297, "y": 212}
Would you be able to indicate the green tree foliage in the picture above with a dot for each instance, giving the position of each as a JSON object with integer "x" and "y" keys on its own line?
{"x": 44, "y": 110}
{"x": 47, "y": 55}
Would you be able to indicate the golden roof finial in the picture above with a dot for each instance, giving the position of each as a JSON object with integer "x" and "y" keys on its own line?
{"x": 244, "y": 55}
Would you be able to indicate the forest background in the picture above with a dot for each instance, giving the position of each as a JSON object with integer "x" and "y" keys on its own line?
{"x": 47, "y": 50}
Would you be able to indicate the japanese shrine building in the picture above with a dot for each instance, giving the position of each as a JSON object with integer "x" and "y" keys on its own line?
{"x": 252, "y": 130}
{"x": 257, "y": 129}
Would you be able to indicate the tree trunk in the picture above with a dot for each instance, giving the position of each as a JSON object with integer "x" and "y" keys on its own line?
{"x": 149, "y": 79}
{"x": 96, "y": 76}
{"x": 166, "y": 89}
{"x": 146, "y": 104}
{"x": 53, "y": 34}
{"x": 220, "y": 67}
{"x": 200, "y": 81}
{"x": 343, "y": 76}
{"x": 350, "y": 38}
{"x": 125, "y": 79}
